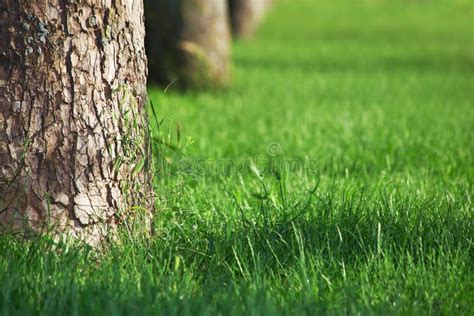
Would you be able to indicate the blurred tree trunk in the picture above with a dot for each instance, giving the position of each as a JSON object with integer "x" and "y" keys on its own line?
{"x": 188, "y": 42}
{"x": 73, "y": 126}
{"x": 246, "y": 15}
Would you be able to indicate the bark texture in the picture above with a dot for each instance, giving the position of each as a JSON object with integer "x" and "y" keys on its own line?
{"x": 188, "y": 42}
{"x": 246, "y": 15}
{"x": 73, "y": 127}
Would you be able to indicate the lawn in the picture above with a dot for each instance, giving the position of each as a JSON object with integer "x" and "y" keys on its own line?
{"x": 334, "y": 176}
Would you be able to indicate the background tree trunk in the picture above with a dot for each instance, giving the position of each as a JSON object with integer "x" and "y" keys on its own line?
{"x": 188, "y": 42}
{"x": 246, "y": 15}
{"x": 73, "y": 126}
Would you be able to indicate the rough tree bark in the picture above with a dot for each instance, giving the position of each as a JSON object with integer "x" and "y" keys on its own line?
{"x": 191, "y": 41}
{"x": 73, "y": 127}
{"x": 246, "y": 15}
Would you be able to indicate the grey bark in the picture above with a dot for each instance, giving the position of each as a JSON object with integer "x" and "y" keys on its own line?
{"x": 73, "y": 126}
{"x": 246, "y": 16}
{"x": 188, "y": 42}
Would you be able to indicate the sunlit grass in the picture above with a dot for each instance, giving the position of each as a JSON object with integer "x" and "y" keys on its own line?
{"x": 334, "y": 176}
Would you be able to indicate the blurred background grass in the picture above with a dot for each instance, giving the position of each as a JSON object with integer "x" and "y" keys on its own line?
{"x": 365, "y": 86}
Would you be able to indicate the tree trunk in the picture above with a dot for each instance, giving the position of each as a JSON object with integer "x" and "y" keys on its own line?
{"x": 246, "y": 15}
{"x": 188, "y": 42}
{"x": 73, "y": 126}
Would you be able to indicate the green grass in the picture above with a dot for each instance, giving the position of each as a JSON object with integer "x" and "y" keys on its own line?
{"x": 335, "y": 176}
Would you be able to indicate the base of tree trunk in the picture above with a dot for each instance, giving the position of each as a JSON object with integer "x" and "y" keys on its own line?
{"x": 188, "y": 42}
{"x": 246, "y": 16}
{"x": 73, "y": 122}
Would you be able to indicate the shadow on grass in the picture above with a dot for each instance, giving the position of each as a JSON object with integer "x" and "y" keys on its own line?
{"x": 443, "y": 64}
{"x": 327, "y": 253}
{"x": 349, "y": 230}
